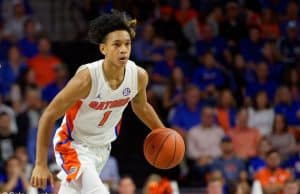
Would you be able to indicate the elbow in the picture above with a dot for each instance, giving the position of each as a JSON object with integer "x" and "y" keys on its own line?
{"x": 49, "y": 116}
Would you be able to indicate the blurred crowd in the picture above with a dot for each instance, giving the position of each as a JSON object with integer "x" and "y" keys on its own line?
{"x": 224, "y": 74}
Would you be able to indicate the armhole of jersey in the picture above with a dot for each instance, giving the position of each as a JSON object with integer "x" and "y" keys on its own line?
{"x": 136, "y": 80}
{"x": 92, "y": 90}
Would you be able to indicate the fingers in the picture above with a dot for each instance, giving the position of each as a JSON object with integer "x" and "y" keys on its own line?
{"x": 39, "y": 182}
{"x": 51, "y": 180}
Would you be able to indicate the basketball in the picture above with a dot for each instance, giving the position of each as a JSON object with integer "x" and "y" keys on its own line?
{"x": 164, "y": 148}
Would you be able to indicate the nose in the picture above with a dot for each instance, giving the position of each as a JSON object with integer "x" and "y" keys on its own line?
{"x": 123, "y": 49}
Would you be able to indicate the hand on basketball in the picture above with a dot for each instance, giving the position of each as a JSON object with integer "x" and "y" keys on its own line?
{"x": 39, "y": 177}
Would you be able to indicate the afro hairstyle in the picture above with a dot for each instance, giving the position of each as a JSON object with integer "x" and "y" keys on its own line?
{"x": 104, "y": 24}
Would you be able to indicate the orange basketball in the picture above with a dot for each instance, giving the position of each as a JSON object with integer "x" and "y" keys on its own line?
{"x": 164, "y": 148}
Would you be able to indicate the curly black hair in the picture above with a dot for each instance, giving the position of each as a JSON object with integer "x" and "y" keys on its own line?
{"x": 106, "y": 23}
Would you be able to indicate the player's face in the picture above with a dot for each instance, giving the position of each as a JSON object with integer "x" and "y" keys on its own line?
{"x": 117, "y": 47}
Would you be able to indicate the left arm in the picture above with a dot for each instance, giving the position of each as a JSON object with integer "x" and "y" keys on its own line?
{"x": 140, "y": 106}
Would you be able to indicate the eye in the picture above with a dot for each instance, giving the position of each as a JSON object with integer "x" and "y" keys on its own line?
{"x": 117, "y": 44}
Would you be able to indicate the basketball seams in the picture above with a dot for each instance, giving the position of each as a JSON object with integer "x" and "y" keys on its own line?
{"x": 149, "y": 140}
{"x": 171, "y": 161}
{"x": 161, "y": 146}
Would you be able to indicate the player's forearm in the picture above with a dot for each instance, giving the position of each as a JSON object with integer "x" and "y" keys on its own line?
{"x": 45, "y": 127}
{"x": 148, "y": 115}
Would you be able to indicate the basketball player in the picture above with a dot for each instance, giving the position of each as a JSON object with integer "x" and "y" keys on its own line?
{"x": 93, "y": 102}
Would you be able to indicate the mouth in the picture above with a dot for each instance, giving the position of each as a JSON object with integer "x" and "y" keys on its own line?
{"x": 123, "y": 59}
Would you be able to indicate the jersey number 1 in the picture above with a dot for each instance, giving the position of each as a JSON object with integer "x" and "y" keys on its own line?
{"x": 104, "y": 118}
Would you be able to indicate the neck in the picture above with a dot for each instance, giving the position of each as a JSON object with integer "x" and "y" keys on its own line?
{"x": 111, "y": 72}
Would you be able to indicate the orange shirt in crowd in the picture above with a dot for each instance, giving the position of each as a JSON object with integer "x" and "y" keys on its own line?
{"x": 162, "y": 187}
{"x": 43, "y": 67}
{"x": 223, "y": 119}
{"x": 245, "y": 141}
{"x": 270, "y": 31}
{"x": 266, "y": 177}
{"x": 183, "y": 17}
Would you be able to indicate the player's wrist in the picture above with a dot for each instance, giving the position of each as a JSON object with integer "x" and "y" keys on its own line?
{"x": 41, "y": 164}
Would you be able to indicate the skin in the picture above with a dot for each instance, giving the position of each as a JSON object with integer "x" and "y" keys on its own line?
{"x": 126, "y": 186}
{"x": 116, "y": 48}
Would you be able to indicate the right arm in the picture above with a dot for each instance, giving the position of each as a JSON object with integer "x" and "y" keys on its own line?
{"x": 77, "y": 88}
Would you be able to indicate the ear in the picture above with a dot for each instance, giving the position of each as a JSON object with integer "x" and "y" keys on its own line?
{"x": 102, "y": 48}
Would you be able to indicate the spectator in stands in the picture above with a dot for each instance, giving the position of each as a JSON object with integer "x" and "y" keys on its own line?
{"x": 226, "y": 111}
{"x": 286, "y": 106}
{"x": 245, "y": 139}
{"x": 60, "y": 80}
{"x": 43, "y": 64}
{"x": 162, "y": 70}
{"x": 168, "y": 28}
{"x": 156, "y": 184}
{"x": 251, "y": 46}
{"x": 279, "y": 7}
{"x": 143, "y": 47}
{"x": 269, "y": 26}
{"x": 29, "y": 43}
{"x": 25, "y": 80}
{"x": 214, "y": 19}
{"x": 174, "y": 92}
{"x": 214, "y": 187}
{"x": 7, "y": 139}
{"x": 261, "y": 83}
{"x": 158, "y": 51}
{"x": 12, "y": 115}
{"x": 210, "y": 42}
{"x": 11, "y": 70}
{"x": 26, "y": 167}
{"x": 289, "y": 45}
{"x": 258, "y": 161}
{"x": 230, "y": 166}
{"x": 14, "y": 27}
{"x": 7, "y": 8}
{"x": 280, "y": 138}
{"x": 271, "y": 57}
{"x": 203, "y": 143}
{"x": 28, "y": 119}
{"x": 233, "y": 28}
{"x": 126, "y": 185}
{"x": 110, "y": 173}
{"x": 187, "y": 16}
{"x": 292, "y": 14}
{"x": 272, "y": 177}
{"x": 13, "y": 179}
{"x": 291, "y": 187}
{"x": 4, "y": 44}
{"x": 261, "y": 114}
{"x": 241, "y": 74}
{"x": 209, "y": 76}
{"x": 186, "y": 115}
{"x": 292, "y": 163}
{"x": 293, "y": 82}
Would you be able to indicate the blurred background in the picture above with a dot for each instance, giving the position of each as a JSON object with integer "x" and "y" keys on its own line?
{"x": 224, "y": 74}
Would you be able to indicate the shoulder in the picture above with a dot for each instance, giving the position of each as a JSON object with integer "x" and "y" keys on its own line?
{"x": 142, "y": 77}
{"x": 82, "y": 79}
